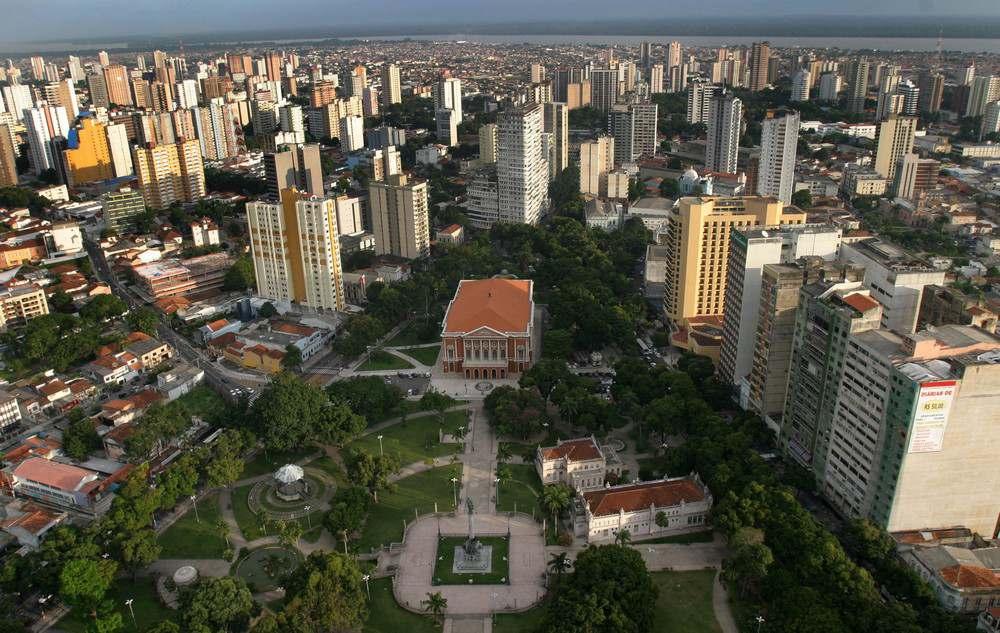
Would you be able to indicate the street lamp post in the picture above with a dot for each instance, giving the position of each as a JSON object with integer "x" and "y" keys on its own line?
{"x": 308, "y": 516}
{"x": 368, "y": 590}
{"x": 194, "y": 500}
{"x": 128, "y": 603}
{"x": 497, "y": 481}
{"x": 760, "y": 620}
{"x": 379, "y": 445}
{"x": 454, "y": 488}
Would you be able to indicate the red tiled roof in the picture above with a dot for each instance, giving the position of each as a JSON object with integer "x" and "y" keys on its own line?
{"x": 861, "y": 303}
{"x": 293, "y": 328}
{"x": 52, "y": 387}
{"x": 146, "y": 398}
{"x": 574, "y": 450}
{"x": 451, "y": 228}
{"x": 53, "y": 474}
{"x": 969, "y": 577}
{"x": 217, "y": 325}
{"x": 222, "y": 341}
{"x": 503, "y": 305}
{"x": 34, "y": 520}
{"x": 636, "y": 497}
{"x": 135, "y": 337}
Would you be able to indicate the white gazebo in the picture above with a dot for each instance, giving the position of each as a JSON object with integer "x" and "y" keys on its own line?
{"x": 291, "y": 486}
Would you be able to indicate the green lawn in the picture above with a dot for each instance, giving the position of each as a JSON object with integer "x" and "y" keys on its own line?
{"x": 522, "y": 492}
{"x": 385, "y": 616}
{"x": 195, "y": 535}
{"x": 705, "y": 536}
{"x": 250, "y": 524}
{"x": 265, "y": 463}
{"x": 520, "y": 449}
{"x": 415, "y": 440}
{"x": 381, "y": 360}
{"x": 204, "y": 403}
{"x": 527, "y": 622}
{"x": 385, "y": 520}
{"x": 148, "y": 609}
{"x": 330, "y": 467}
{"x": 426, "y": 355}
{"x": 685, "y": 602}
{"x": 408, "y": 336}
{"x": 443, "y": 574}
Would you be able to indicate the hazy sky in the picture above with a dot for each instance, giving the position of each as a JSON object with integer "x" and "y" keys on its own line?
{"x": 59, "y": 19}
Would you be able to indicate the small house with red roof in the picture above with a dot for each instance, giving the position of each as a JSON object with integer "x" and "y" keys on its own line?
{"x": 685, "y": 503}
{"x": 29, "y": 522}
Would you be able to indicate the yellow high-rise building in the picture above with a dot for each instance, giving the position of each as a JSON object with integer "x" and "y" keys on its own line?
{"x": 90, "y": 160}
{"x": 296, "y": 251}
{"x": 697, "y": 246}
{"x": 170, "y": 173}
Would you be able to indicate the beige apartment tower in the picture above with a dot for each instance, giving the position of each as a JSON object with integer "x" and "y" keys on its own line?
{"x": 8, "y": 166}
{"x": 488, "y": 143}
{"x": 597, "y": 158}
{"x": 170, "y": 173}
{"x": 895, "y": 140}
{"x": 399, "y": 217}
{"x": 296, "y": 252}
{"x": 391, "y": 90}
{"x": 697, "y": 238}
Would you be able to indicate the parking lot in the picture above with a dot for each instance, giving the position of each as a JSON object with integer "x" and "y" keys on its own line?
{"x": 412, "y": 383}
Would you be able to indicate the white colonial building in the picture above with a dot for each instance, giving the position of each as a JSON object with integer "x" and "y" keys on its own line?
{"x": 579, "y": 463}
{"x": 684, "y": 501}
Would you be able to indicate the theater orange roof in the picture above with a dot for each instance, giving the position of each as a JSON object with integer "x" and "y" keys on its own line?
{"x": 503, "y": 305}
{"x": 639, "y": 496}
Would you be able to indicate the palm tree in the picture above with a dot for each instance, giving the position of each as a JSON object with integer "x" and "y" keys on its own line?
{"x": 435, "y": 604}
{"x": 559, "y": 563}
{"x": 505, "y": 475}
{"x": 504, "y": 453}
{"x": 556, "y": 498}
{"x": 623, "y": 537}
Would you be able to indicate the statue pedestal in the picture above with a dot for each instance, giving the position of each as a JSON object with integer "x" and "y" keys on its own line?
{"x": 477, "y": 560}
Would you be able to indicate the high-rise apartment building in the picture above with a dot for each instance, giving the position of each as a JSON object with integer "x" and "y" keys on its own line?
{"x": 488, "y": 143}
{"x": 829, "y": 86}
{"x": 725, "y": 118}
{"x": 88, "y": 157}
{"x": 391, "y": 90}
{"x": 296, "y": 251}
{"x": 44, "y": 125}
{"x": 760, "y": 59}
{"x": 522, "y": 171}
{"x": 673, "y": 54}
{"x": 8, "y": 159}
{"x": 62, "y": 93}
{"x": 633, "y": 126}
{"x": 296, "y": 167}
{"x": 117, "y": 84}
{"x": 983, "y": 90}
{"x": 170, "y": 173}
{"x": 896, "y": 278}
{"x": 357, "y": 81}
{"x": 778, "y": 142}
{"x": 991, "y": 120}
{"x": 656, "y": 84}
{"x": 352, "y": 133}
{"x": 399, "y": 217}
{"x": 187, "y": 93}
{"x": 698, "y": 240}
{"x": 801, "y": 82}
{"x": 603, "y": 88}
{"x": 446, "y": 121}
{"x": 750, "y": 249}
{"x": 895, "y": 139}
{"x": 556, "y": 123}
{"x": 272, "y": 65}
{"x": 18, "y": 98}
{"x": 859, "y": 87}
{"x": 915, "y": 175}
{"x": 597, "y": 158}
{"x": 931, "y": 86}
{"x": 448, "y": 94}
{"x": 216, "y": 126}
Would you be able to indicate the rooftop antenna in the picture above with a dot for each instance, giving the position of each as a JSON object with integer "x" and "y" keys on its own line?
{"x": 940, "y": 33}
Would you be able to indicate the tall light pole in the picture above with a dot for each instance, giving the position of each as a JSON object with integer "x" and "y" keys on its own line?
{"x": 308, "y": 516}
{"x": 454, "y": 488}
{"x": 497, "y": 481}
{"x": 379, "y": 445}
{"x": 760, "y": 620}
{"x": 128, "y": 603}
{"x": 368, "y": 589}
{"x": 194, "y": 500}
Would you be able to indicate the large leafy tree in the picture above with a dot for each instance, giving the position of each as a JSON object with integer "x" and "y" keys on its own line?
{"x": 372, "y": 471}
{"x": 84, "y": 582}
{"x": 347, "y": 511}
{"x": 325, "y": 594}
{"x": 216, "y": 605}
{"x": 608, "y": 591}
{"x": 368, "y": 396}
{"x": 288, "y": 412}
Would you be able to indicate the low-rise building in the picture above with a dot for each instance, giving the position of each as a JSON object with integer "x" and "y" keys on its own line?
{"x": 684, "y": 502}
{"x": 205, "y": 232}
{"x": 577, "y": 463}
{"x": 179, "y": 380}
{"x": 964, "y": 580}
{"x": 65, "y": 486}
{"x": 216, "y": 328}
{"x": 603, "y": 214}
{"x": 451, "y": 234}
{"x": 21, "y": 302}
{"x": 29, "y": 522}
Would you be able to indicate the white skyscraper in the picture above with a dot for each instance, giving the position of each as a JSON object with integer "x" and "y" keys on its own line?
{"x": 447, "y": 126}
{"x": 801, "y": 81}
{"x": 187, "y": 94}
{"x": 448, "y": 94}
{"x": 724, "y": 120}
{"x": 830, "y": 85}
{"x": 121, "y": 153}
{"x": 984, "y": 90}
{"x": 991, "y": 119}
{"x": 44, "y": 124}
{"x": 18, "y": 99}
{"x": 352, "y": 133}
{"x": 656, "y": 79}
{"x": 75, "y": 69}
{"x": 391, "y": 91}
{"x": 699, "y": 99}
{"x": 778, "y": 141}
{"x": 522, "y": 172}
{"x": 673, "y": 54}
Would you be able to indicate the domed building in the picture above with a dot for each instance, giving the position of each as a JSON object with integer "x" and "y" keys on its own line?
{"x": 690, "y": 182}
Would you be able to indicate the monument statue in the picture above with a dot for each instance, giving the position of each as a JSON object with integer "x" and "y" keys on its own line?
{"x": 472, "y": 557}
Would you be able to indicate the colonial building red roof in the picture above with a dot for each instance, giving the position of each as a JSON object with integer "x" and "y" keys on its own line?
{"x": 573, "y": 450}
{"x": 969, "y": 577}
{"x": 661, "y": 494}
{"x": 503, "y": 305}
